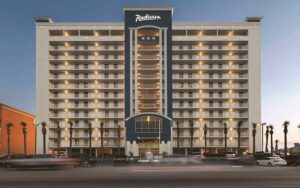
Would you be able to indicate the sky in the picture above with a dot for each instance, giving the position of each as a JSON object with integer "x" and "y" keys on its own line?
{"x": 280, "y": 43}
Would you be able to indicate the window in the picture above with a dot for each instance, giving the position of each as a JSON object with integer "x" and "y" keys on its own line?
{"x": 76, "y": 113}
{"x": 86, "y": 85}
{"x": 86, "y": 113}
{"x": 76, "y": 103}
{"x": 116, "y": 104}
{"x": 106, "y": 104}
{"x": 86, "y": 66}
{"x": 86, "y": 94}
{"x": 86, "y": 104}
{"x": 148, "y": 124}
{"x": 76, "y": 94}
{"x": 115, "y": 56}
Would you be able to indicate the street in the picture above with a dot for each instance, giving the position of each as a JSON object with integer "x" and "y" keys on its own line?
{"x": 211, "y": 176}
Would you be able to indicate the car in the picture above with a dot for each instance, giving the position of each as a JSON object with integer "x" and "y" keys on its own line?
{"x": 272, "y": 161}
{"x": 37, "y": 161}
{"x": 4, "y": 158}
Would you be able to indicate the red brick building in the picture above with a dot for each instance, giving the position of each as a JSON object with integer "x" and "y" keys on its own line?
{"x": 15, "y": 116}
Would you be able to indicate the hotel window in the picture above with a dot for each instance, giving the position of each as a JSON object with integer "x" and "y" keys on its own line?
{"x": 180, "y": 113}
{"x": 86, "y": 123}
{"x": 190, "y": 66}
{"x": 116, "y": 114}
{"x": 220, "y": 103}
{"x": 220, "y": 66}
{"x": 76, "y": 66}
{"x": 106, "y": 85}
{"x": 180, "y": 75}
{"x": 190, "y": 47}
{"x": 106, "y": 94}
{"x": 76, "y": 85}
{"x": 220, "y": 75}
{"x": 106, "y": 104}
{"x": 76, "y": 56}
{"x": 76, "y": 103}
{"x": 55, "y": 94}
{"x": 220, "y": 85}
{"x": 55, "y": 75}
{"x": 86, "y": 85}
{"x": 55, "y": 104}
{"x": 106, "y": 56}
{"x": 211, "y": 104}
{"x": 86, "y": 94}
{"x": 116, "y": 104}
{"x": 211, "y": 75}
{"x": 115, "y": 47}
{"x": 220, "y": 113}
{"x": 210, "y": 94}
{"x": 181, "y": 103}
{"x": 55, "y": 113}
{"x": 106, "y": 75}
{"x": 106, "y": 47}
{"x": 76, "y": 94}
{"x": 55, "y": 85}
{"x": 190, "y": 56}
{"x": 86, "y": 133}
{"x": 86, "y": 113}
{"x": 190, "y": 94}
{"x": 55, "y": 56}
{"x": 211, "y": 113}
{"x": 181, "y": 66}
{"x": 190, "y": 113}
{"x": 180, "y": 47}
{"x": 76, "y": 123}
{"x": 76, "y": 75}
{"x": 220, "y": 94}
{"x": 115, "y": 56}
{"x": 76, "y": 47}
{"x": 220, "y": 46}
{"x": 116, "y": 122}
{"x": 86, "y": 66}
{"x": 86, "y": 104}
{"x": 56, "y": 66}
{"x": 181, "y": 94}
{"x": 180, "y": 56}
{"x": 76, "y": 113}
{"x": 190, "y": 103}
{"x": 116, "y": 94}
{"x": 86, "y": 47}
{"x": 106, "y": 113}
{"x": 210, "y": 85}
{"x": 115, "y": 75}
{"x": 106, "y": 66}
{"x": 115, "y": 85}
{"x": 210, "y": 56}
{"x": 86, "y": 56}
{"x": 210, "y": 46}
{"x": 115, "y": 66}
{"x": 220, "y": 56}
{"x": 190, "y": 75}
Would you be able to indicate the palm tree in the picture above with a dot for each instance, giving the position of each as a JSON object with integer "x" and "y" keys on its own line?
{"x": 90, "y": 138}
{"x": 239, "y": 137}
{"x": 254, "y": 125}
{"x": 8, "y": 129}
{"x": 178, "y": 130}
{"x": 271, "y": 135}
{"x": 276, "y": 146}
{"x": 101, "y": 132}
{"x": 225, "y": 136}
{"x": 71, "y": 138}
{"x": 44, "y": 132}
{"x": 119, "y": 138}
{"x": 192, "y": 135}
{"x": 205, "y": 139}
{"x": 267, "y": 136}
{"x": 23, "y": 124}
{"x": 285, "y": 130}
{"x": 58, "y": 138}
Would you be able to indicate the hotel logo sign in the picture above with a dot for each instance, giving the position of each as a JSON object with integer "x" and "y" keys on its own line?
{"x": 147, "y": 17}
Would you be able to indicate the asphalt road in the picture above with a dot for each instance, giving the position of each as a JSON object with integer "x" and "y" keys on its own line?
{"x": 211, "y": 176}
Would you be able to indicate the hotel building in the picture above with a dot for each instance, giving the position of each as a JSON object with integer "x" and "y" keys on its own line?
{"x": 148, "y": 84}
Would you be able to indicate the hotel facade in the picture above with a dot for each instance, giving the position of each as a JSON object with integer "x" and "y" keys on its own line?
{"x": 148, "y": 85}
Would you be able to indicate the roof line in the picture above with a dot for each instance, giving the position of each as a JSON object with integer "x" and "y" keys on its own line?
{"x": 16, "y": 110}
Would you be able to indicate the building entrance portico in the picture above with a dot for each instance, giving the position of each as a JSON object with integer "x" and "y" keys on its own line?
{"x": 148, "y": 145}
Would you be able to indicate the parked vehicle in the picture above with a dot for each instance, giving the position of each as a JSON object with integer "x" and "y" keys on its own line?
{"x": 34, "y": 161}
{"x": 272, "y": 161}
{"x": 4, "y": 158}
{"x": 293, "y": 160}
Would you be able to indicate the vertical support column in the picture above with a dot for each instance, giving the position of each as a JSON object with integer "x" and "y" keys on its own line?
{"x": 130, "y": 68}
{"x": 165, "y": 71}
{"x": 135, "y": 73}
{"x": 160, "y": 72}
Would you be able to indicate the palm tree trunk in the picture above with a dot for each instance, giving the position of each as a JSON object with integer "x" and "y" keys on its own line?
{"x": 25, "y": 144}
{"x": 285, "y": 144}
{"x": 8, "y": 144}
{"x": 177, "y": 138}
{"x": 119, "y": 139}
{"x": 267, "y": 136}
{"x": 101, "y": 132}
{"x": 272, "y": 144}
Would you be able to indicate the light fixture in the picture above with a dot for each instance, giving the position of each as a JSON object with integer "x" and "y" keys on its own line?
{"x": 66, "y": 63}
{"x": 66, "y": 100}
{"x": 66, "y": 110}
{"x": 200, "y": 33}
{"x": 66, "y": 72}
{"x": 96, "y": 82}
{"x": 96, "y": 33}
{"x": 230, "y": 44}
{"x": 66, "y": 34}
{"x": 66, "y": 119}
{"x": 66, "y": 44}
{"x": 96, "y": 54}
{"x": 96, "y": 72}
{"x": 96, "y": 62}
{"x": 96, "y": 91}
{"x": 200, "y": 44}
{"x": 66, "y": 81}
{"x": 66, "y": 54}
{"x": 230, "y": 63}
{"x": 96, "y": 44}
{"x": 200, "y": 62}
{"x": 66, "y": 91}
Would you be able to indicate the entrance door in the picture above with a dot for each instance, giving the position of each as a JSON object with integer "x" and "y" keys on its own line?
{"x": 148, "y": 145}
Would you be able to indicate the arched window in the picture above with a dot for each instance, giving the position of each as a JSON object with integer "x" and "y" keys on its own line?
{"x": 148, "y": 124}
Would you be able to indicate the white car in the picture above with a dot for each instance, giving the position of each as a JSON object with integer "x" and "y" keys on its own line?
{"x": 272, "y": 161}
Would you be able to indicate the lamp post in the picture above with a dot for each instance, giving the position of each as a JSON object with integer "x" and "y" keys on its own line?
{"x": 71, "y": 138}
{"x": 239, "y": 137}
{"x": 44, "y": 132}
{"x": 271, "y": 136}
{"x": 24, "y": 129}
{"x": 8, "y": 129}
{"x": 276, "y": 146}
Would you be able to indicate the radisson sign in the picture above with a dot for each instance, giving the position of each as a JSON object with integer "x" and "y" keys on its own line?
{"x": 147, "y": 17}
